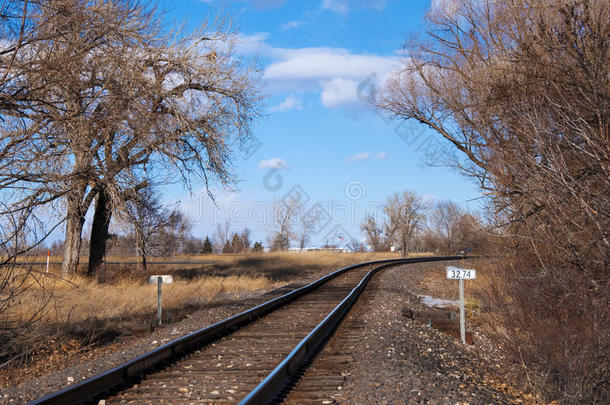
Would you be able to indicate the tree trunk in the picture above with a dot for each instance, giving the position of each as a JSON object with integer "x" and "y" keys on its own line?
{"x": 408, "y": 241}
{"x": 74, "y": 228}
{"x": 142, "y": 246}
{"x": 142, "y": 251}
{"x": 99, "y": 233}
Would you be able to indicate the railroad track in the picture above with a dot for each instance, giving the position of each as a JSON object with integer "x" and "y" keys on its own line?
{"x": 251, "y": 358}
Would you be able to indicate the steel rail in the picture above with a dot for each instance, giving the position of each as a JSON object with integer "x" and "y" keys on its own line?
{"x": 278, "y": 383}
{"x": 135, "y": 369}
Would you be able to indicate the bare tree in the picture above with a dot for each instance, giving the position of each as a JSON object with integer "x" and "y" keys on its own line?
{"x": 174, "y": 235}
{"x": 444, "y": 220}
{"x": 521, "y": 89}
{"x": 145, "y": 213}
{"x": 374, "y": 234}
{"x": 284, "y": 214}
{"x": 450, "y": 229}
{"x": 472, "y": 235}
{"x": 307, "y": 223}
{"x": 113, "y": 98}
{"x": 221, "y": 235}
{"x": 356, "y": 246}
{"x": 405, "y": 212}
{"x": 244, "y": 238}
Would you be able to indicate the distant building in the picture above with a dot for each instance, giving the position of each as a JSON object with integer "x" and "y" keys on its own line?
{"x": 328, "y": 248}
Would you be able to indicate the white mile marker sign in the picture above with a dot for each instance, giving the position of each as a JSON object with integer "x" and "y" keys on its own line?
{"x": 456, "y": 273}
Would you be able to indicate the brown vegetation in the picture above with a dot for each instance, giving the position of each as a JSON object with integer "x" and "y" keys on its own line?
{"x": 410, "y": 224}
{"x": 521, "y": 89}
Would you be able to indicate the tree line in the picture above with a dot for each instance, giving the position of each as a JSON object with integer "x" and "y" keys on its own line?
{"x": 164, "y": 233}
{"x": 408, "y": 223}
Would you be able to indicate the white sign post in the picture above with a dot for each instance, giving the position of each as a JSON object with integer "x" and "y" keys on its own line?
{"x": 455, "y": 273}
{"x": 160, "y": 279}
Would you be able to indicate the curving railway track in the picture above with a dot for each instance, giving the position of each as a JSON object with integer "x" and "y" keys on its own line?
{"x": 252, "y": 358}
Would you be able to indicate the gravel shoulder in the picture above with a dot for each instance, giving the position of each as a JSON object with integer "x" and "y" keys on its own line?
{"x": 394, "y": 359}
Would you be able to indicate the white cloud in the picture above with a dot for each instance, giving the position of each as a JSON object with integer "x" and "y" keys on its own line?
{"x": 273, "y": 163}
{"x": 360, "y": 156}
{"x": 338, "y": 92}
{"x": 338, "y": 6}
{"x": 290, "y": 103}
{"x": 327, "y": 63}
{"x": 344, "y": 6}
{"x": 334, "y": 73}
{"x": 290, "y": 25}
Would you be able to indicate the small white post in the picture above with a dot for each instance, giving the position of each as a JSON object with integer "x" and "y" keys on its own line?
{"x": 48, "y": 257}
{"x": 159, "y": 279}
{"x": 462, "y": 318}
{"x": 159, "y": 283}
{"x": 456, "y": 273}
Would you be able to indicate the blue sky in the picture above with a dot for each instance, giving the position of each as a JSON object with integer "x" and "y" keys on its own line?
{"x": 318, "y": 140}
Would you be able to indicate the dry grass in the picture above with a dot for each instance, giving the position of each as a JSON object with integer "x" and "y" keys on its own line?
{"x": 477, "y": 292}
{"x": 125, "y": 293}
{"x": 480, "y": 295}
{"x": 227, "y": 275}
{"x": 275, "y": 265}
{"x": 78, "y": 298}
{"x": 84, "y": 312}
{"x": 483, "y": 314}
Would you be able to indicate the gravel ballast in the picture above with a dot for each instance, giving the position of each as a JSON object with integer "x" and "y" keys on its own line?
{"x": 396, "y": 360}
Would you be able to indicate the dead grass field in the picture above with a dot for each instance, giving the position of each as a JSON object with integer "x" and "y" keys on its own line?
{"x": 124, "y": 290}
{"x": 83, "y": 313}
{"x": 481, "y": 294}
{"x": 476, "y": 291}
{"x": 77, "y": 298}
